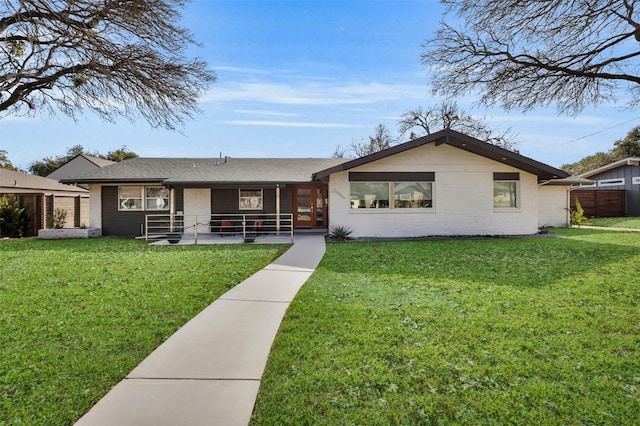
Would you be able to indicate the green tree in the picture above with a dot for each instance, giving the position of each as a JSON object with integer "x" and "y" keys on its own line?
{"x": 4, "y": 161}
{"x": 47, "y": 165}
{"x": 115, "y": 58}
{"x": 13, "y": 218}
{"x": 629, "y": 146}
{"x": 520, "y": 54}
{"x": 589, "y": 162}
{"x": 120, "y": 154}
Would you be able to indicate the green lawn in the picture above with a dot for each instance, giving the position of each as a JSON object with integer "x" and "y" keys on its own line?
{"x": 76, "y": 316}
{"x": 526, "y": 331}
{"x": 616, "y": 222}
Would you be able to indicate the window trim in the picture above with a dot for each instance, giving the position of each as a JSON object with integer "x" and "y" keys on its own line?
{"x": 635, "y": 180}
{"x": 143, "y": 199}
{"x": 122, "y": 200}
{"x": 147, "y": 198}
{"x": 611, "y": 182}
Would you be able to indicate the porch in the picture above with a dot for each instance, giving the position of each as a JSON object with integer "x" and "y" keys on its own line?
{"x": 262, "y": 228}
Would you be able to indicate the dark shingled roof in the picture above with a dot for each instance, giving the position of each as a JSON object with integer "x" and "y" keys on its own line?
{"x": 464, "y": 142}
{"x": 203, "y": 171}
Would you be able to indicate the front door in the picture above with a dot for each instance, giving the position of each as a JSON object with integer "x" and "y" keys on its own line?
{"x": 309, "y": 206}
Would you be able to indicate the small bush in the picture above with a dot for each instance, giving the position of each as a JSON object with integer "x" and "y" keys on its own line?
{"x": 58, "y": 219}
{"x": 340, "y": 233}
{"x": 576, "y": 217}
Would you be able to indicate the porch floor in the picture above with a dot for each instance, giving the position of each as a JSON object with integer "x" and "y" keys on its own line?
{"x": 214, "y": 238}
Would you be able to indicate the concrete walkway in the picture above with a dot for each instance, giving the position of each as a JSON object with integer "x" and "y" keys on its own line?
{"x": 209, "y": 371}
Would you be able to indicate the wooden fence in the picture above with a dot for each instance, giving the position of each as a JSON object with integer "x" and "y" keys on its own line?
{"x": 601, "y": 202}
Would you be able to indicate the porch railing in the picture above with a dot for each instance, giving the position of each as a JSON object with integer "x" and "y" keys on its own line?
{"x": 173, "y": 227}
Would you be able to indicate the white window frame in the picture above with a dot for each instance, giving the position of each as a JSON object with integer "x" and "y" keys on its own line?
{"x": 167, "y": 204}
{"x": 142, "y": 198}
{"x": 611, "y": 182}
{"x": 123, "y": 200}
{"x": 635, "y": 180}
{"x": 250, "y": 202}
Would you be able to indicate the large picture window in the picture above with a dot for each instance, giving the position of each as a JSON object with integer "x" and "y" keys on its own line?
{"x": 139, "y": 198}
{"x": 251, "y": 199}
{"x": 505, "y": 190}
{"x": 412, "y": 195}
{"x": 368, "y": 195}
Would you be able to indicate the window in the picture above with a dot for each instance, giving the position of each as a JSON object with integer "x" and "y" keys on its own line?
{"x": 412, "y": 194}
{"x": 157, "y": 198}
{"x": 367, "y": 195}
{"x": 505, "y": 190}
{"x": 611, "y": 182}
{"x": 130, "y": 198}
{"x": 636, "y": 180}
{"x": 250, "y": 199}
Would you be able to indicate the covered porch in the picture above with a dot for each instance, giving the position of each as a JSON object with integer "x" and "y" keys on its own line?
{"x": 260, "y": 228}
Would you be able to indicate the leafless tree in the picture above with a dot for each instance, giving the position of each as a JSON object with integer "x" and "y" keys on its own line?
{"x": 382, "y": 139}
{"x": 111, "y": 57}
{"x": 447, "y": 115}
{"x": 520, "y": 54}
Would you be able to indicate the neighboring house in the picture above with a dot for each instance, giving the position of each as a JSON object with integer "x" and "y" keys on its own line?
{"x": 81, "y": 163}
{"x": 615, "y": 190}
{"x": 441, "y": 184}
{"x": 41, "y": 196}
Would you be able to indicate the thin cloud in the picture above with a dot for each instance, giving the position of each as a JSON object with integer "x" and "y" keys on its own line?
{"x": 266, "y": 113}
{"x": 269, "y": 123}
{"x": 313, "y": 93}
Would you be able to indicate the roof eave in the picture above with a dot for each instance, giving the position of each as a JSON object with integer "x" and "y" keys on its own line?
{"x": 461, "y": 141}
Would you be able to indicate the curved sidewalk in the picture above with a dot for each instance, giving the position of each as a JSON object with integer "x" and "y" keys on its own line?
{"x": 209, "y": 371}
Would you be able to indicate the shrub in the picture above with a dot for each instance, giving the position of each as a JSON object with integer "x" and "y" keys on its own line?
{"x": 58, "y": 219}
{"x": 576, "y": 217}
{"x": 340, "y": 233}
{"x": 13, "y": 218}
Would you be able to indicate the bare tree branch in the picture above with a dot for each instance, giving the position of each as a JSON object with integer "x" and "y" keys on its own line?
{"x": 524, "y": 54}
{"x": 447, "y": 115}
{"x": 113, "y": 58}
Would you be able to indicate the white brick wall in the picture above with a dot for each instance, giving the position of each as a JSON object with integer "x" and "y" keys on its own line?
{"x": 463, "y": 198}
{"x": 554, "y": 205}
{"x": 95, "y": 206}
{"x": 197, "y": 202}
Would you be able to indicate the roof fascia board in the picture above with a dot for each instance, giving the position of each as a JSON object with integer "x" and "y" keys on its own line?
{"x": 624, "y": 162}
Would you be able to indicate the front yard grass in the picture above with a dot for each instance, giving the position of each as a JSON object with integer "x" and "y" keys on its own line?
{"x": 77, "y": 315}
{"x": 474, "y": 332}
{"x": 616, "y": 222}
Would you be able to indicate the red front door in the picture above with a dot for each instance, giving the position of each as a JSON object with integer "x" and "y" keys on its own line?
{"x": 309, "y": 206}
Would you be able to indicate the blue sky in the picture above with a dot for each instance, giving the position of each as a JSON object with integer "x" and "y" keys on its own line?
{"x": 298, "y": 78}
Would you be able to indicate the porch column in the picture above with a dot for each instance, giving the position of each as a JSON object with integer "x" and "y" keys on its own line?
{"x": 278, "y": 208}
